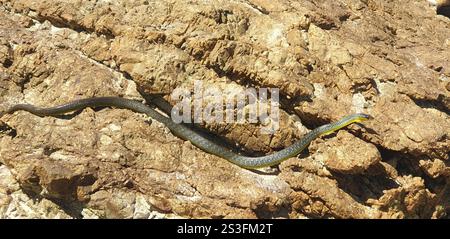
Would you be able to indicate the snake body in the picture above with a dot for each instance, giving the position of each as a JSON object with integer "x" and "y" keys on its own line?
{"x": 191, "y": 135}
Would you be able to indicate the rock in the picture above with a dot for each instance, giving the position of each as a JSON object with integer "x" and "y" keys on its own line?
{"x": 333, "y": 202}
{"x": 347, "y": 154}
{"x": 333, "y": 51}
{"x": 410, "y": 200}
{"x": 121, "y": 205}
{"x": 435, "y": 168}
{"x": 14, "y": 203}
{"x": 142, "y": 208}
{"x": 328, "y": 60}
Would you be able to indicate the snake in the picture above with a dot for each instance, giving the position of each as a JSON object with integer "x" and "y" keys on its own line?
{"x": 187, "y": 133}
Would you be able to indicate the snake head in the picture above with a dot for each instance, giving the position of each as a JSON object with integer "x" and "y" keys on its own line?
{"x": 365, "y": 116}
{"x": 359, "y": 117}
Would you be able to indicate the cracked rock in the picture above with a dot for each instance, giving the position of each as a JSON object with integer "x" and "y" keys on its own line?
{"x": 389, "y": 59}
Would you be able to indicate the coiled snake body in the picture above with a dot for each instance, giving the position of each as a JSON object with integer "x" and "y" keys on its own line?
{"x": 187, "y": 133}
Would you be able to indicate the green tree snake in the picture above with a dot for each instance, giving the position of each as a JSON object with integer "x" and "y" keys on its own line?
{"x": 186, "y": 133}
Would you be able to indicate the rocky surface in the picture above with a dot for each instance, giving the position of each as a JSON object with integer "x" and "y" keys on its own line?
{"x": 390, "y": 59}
